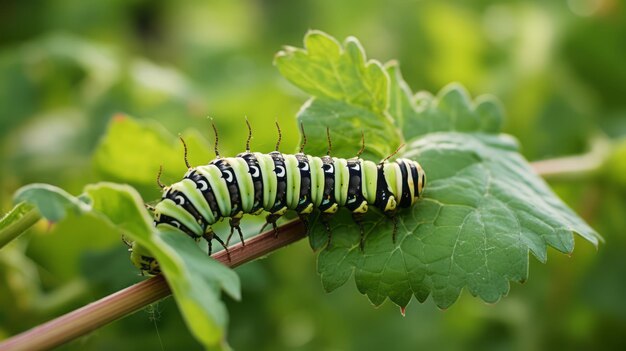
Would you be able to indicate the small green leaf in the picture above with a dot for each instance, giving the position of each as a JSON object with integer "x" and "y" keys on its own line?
{"x": 451, "y": 110}
{"x": 195, "y": 279}
{"x": 346, "y": 123}
{"x": 326, "y": 69}
{"x": 350, "y": 96}
{"x": 132, "y": 152}
{"x": 122, "y": 206}
{"x": 53, "y": 203}
{"x": 483, "y": 209}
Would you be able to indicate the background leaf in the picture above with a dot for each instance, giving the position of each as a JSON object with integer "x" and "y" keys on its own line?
{"x": 132, "y": 151}
{"x": 52, "y": 202}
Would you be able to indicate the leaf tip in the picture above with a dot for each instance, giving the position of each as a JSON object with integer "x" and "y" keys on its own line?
{"x": 454, "y": 89}
{"x": 352, "y": 43}
{"x": 316, "y": 32}
{"x": 313, "y": 35}
{"x": 392, "y": 64}
{"x": 312, "y": 31}
{"x": 284, "y": 53}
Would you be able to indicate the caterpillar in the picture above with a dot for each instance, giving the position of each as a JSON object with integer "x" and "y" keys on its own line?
{"x": 253, "y": 182}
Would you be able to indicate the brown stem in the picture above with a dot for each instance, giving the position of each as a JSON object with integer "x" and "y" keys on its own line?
{"x": 124, "y": 302}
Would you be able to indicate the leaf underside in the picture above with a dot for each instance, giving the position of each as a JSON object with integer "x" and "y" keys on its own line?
{"x": 483, "y": 208}
{"x": 196, "y": 281}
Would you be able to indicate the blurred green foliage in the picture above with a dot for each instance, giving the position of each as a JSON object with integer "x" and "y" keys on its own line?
{"x": 68, "y": 67}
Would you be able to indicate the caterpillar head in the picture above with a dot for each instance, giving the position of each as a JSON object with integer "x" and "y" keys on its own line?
{"x": 142, "y": 259}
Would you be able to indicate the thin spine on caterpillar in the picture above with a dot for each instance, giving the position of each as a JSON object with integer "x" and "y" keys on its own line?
{"x": 185, "y": 151}
{"x": 158, "y": 178}
{"x": 217, "y": 153}
{"x": 253, "y": 182}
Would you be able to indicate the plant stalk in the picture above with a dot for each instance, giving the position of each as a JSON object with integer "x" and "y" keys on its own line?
{"x": 15, "y": 229}
{"x": 575, "y": 166}
{"x": 132, "y": 299}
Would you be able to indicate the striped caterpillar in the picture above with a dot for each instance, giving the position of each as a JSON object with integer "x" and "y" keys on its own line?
{"x": 253, "y": 182}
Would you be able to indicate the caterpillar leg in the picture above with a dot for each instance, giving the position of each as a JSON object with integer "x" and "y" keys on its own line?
{"x": 128, "y": 243}
{"x": 271, "y": 219}
{"x": 325, "y": 219}
{"x": 358, "y": 212}
{"x": 358, "y": 219}
{"x": 394, "y": 220}
{"x": 234, "y": 224}
{"x": 209, "y": 236}
{"x": 223, "y": 245}
{"x": 304, "y": 217}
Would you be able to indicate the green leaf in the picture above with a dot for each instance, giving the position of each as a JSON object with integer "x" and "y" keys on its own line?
{"x": 350, "y": 96}
{"x": 15, "y": 222}
{"x": 52, "y": 202}
{"x": 195, "y": 279}
{"x": 346, "y": 123}
{"x": 451, "y": 110}
{"x": 132, "y": 152}
{"x": 326, "y": 69}
{"x": 483, "y": 209}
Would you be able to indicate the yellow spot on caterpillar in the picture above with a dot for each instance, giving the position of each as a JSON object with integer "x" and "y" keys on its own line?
{"x": 391, "y": 204}
{"x": 362, "y": 208}
{"x": 332, "y": 209}
{"x": 281, "y": 211}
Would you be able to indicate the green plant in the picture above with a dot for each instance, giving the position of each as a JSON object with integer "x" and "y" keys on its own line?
{"x": 483, "y": 211}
